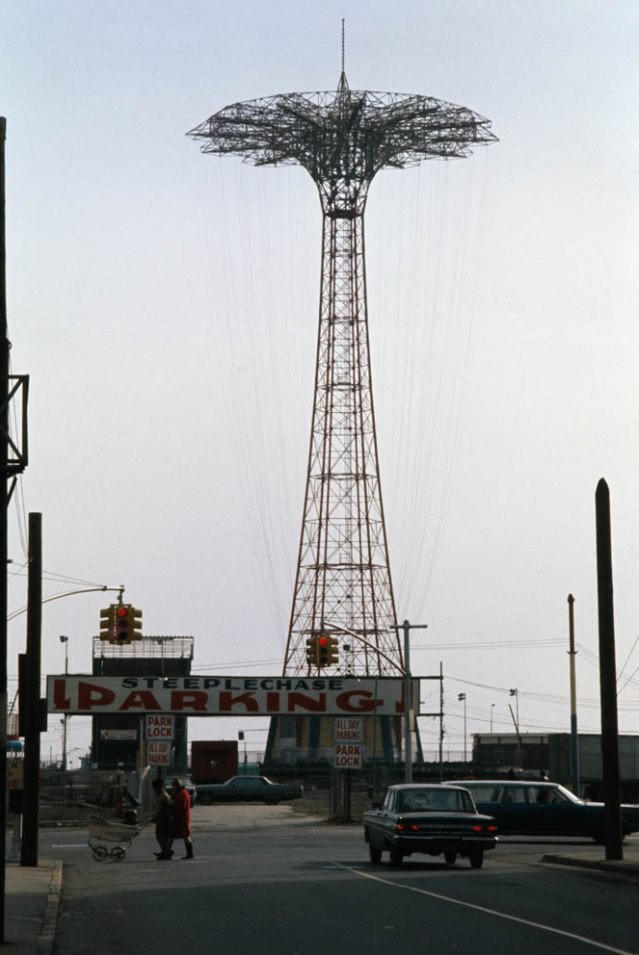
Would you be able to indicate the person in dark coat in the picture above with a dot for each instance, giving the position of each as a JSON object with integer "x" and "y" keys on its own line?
{"x": 182, "y": 817}
{"x": 163, "y": 820}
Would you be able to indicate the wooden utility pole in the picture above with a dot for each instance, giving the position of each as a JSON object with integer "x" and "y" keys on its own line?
{"x": 574, "y": 733}
{"x": 33, "y": 707}
{"x": 4, "y": 471}
{"x": 608, "y": 678}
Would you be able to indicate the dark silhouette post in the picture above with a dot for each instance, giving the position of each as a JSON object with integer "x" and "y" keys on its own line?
{"x": 608, "y": 677}
{"x": 4, "y": 455}
{"x": 33, "y": 706}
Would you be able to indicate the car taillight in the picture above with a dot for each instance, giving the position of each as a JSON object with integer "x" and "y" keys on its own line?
{"x": 478, "y": 828}
{"x": 402, "y": 827}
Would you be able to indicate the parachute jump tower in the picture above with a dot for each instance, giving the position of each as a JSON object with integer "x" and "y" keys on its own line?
{"x": 343, "y": 586}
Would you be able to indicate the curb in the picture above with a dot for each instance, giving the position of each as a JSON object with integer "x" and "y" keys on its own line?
{"x": 46, "y": 937}
{"x": 629, "y": 870}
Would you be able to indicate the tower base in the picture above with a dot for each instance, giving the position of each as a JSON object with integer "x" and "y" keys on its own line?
{"x": 310, "y": 741}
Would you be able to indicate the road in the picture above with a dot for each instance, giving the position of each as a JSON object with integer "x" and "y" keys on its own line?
{"x": 266, "y": 880}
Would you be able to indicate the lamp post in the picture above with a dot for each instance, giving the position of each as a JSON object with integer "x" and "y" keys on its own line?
{"x": 65, "y": 641}
{"x": 406, "y": 626}
{"x": 462, "y": 698}
{"x": 492, "y": 707}
{"x": 519, "y": 750}
{"x": 515, "y": 693}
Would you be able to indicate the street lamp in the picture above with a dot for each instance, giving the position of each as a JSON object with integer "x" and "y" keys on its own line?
{"x": 492, "y": 707}
{"x": 519, "y": 753}
{"x": 65, "y": 641}
{"x": 515, "y": 693}
{"x": 462, "y": 698}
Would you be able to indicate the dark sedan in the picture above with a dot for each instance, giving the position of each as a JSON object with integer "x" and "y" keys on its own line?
{"x": 248, "y": 789}
{"x": 433, "y": 819}
{"x": 524, "y": 807}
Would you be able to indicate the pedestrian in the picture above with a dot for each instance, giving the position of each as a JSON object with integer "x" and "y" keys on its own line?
{"x": 163, "y": 819}
{"x": 182, "y": 816}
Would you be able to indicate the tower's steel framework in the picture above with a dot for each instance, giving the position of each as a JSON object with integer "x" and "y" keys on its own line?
{"x": 343, "y": 138}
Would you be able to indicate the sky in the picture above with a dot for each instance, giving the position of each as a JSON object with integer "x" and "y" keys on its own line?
{"x": 164, "y": 304}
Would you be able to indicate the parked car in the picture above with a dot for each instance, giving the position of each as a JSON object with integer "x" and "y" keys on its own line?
{"x": 248, "y": 789}
{"x": 526, "y": 807}
{"x": 437, "y": 820}
{"x": 190, "y": 787}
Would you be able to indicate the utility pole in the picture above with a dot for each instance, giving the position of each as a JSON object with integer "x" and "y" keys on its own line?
{"x": 574, "y": 735}
{"x": 33, "y": 708}
{"x": 4, "y": 553}
{"x": 441, "y": 719}
{"x": 608, "y": 677}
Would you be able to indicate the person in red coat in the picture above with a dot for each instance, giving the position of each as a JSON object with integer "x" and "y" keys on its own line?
{"x": 182, "y": 816}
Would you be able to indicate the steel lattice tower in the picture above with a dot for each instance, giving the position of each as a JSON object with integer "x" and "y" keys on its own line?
{"x": 343, "y": 138}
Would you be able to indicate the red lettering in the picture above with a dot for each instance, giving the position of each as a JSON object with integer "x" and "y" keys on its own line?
{"x": 305, "y": 702}
{"x": 90, "y": 696}
{"x": 348, "y": 701}
{"x": 272, "y": 702}
{"x": 187, "y": 700}
{"x": 60, "y": 699}
{"x": 228, "y": 702}
{"x": 141, "y": 700}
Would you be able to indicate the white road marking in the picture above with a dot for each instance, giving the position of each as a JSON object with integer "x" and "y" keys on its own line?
{"x": 480, "y": 908}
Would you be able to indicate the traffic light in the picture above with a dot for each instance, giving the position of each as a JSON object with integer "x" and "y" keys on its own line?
{"x": 128, "y": 623}
{"x": 136, "y": 623}
{"x": 333, "y": 651}
{"x": 311, "y": 651}
{"x": 323, "y": 650}
{"x": 107, "y": 623}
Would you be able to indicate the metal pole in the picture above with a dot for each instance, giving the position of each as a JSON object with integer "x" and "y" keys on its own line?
{"x": 462, "y": 698}
{"x": 574, "y": 735}
{"x": 65, "y": 641}
{"x": 408, "y": 697}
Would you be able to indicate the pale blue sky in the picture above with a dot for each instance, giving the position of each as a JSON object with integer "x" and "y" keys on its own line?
{"x": 164, "y": 304}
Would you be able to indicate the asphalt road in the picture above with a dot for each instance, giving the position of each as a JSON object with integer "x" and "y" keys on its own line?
{"x": 267, "y": 881}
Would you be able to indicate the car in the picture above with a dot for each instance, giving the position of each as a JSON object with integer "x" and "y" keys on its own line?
{"x": 429, "y": 818}
{"x": 190, "y": 787}
{"x": 540, "y": 808}
{"x": 248, "y": 789}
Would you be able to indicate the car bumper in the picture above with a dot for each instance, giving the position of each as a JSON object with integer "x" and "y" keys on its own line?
{"x": 436, "y": 844}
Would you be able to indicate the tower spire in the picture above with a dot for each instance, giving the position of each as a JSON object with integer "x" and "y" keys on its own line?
{"x": 343, "y": 82}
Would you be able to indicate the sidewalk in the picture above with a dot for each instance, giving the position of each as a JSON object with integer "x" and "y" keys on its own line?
{"x": 32, "y": 896}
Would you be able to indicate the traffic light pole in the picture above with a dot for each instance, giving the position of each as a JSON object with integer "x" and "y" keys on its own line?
{"x": 406, "y": 626}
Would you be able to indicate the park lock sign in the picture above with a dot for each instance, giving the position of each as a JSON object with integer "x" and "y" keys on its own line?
{"x": 229, "y": 695}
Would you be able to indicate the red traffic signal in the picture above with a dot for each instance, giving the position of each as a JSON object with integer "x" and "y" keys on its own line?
{"x": 323, "y": 650}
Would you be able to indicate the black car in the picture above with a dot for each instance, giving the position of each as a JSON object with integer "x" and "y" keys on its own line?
{"x": 248, "y": 789}
{"x": 429, "y": 818}
{"x": 531, "y": 808}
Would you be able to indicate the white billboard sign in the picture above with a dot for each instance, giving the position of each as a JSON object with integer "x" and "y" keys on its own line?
{"x": 228, "y": 696}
